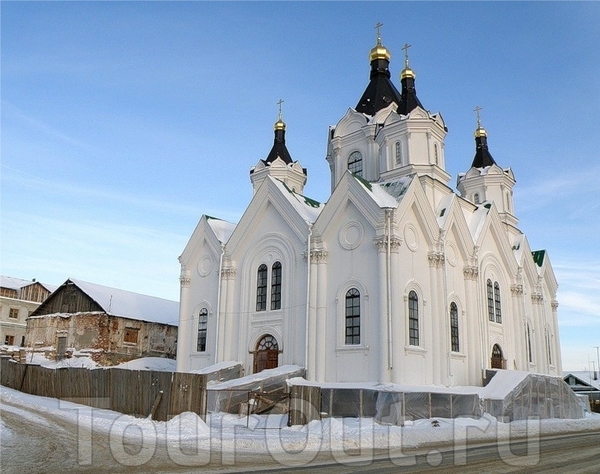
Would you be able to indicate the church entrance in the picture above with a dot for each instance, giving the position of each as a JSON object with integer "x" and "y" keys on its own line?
{"x": 497, "y": 357}
{"x": 266, "y": 354}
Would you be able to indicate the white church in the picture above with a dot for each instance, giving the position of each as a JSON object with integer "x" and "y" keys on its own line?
{"x": 396, "y": 278}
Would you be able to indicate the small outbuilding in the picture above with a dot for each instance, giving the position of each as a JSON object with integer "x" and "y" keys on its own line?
{"x": 110, "y": 324}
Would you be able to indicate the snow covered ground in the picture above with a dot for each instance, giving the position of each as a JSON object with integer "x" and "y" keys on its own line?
{"x": 88, "y": 439}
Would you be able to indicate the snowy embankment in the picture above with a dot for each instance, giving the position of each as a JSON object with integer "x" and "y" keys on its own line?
{"x": 226, "y": 433}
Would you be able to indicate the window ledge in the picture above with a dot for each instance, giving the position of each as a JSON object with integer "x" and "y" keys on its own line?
{"x": 415, "y": 350}
{"x": 457, "y": 355}
{"x": 352, "y": 348}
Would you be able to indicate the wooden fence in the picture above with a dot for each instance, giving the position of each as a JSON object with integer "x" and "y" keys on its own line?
{"x": 143, "y": 393}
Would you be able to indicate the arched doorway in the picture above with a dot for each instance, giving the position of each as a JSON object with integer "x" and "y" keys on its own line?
{"x": 497, "y": 357}
{"x": 266, "y": 354}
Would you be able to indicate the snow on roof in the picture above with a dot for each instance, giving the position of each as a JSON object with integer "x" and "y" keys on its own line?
{"x": 280, "y": 371}
{"x": 18, "y": 283}
{"x": 131, "y": 305}
{"x": 503, "y": 383}
{"x": 442, "y": 210}
{"x": 478, "y": 219}
{"x": 221, "y": 228}
{"x": 517, "y": 247}
{"x": 308, "y": 208}
{"x": 389, "y": 193}
{"x": 216, "y": 367}
{"x": 584, "y": 376}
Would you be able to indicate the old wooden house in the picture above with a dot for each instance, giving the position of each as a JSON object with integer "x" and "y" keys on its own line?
{"x": 18, "y": 299}
{"x": 110, "y": 324}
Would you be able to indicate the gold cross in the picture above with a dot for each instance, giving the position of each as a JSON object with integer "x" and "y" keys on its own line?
{"x": 279, "y": 102}
{"x": 405, "y": 49}
{"x": 476, "y": 110}
{"x": 377, "y": 27}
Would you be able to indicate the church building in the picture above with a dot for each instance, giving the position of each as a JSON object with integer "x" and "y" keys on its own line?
{"x": 396, "y": 278}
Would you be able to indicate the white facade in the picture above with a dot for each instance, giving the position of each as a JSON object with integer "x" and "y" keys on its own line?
{"x": 396, "y": 278}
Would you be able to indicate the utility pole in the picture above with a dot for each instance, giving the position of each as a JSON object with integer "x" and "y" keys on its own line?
{"x": 598, "y": 359}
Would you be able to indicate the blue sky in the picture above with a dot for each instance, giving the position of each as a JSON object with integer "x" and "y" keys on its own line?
{"x": 124, "y": 122}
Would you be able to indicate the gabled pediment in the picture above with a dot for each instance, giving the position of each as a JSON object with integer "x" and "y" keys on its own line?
{"x": 351, "y": 122}
{"x": 383, "y": 115}
{"x": 273, "y": 195}
{"x": 492, "y": 229}
{"x": 451, "y": 219}
{"x": 209, "y": 233}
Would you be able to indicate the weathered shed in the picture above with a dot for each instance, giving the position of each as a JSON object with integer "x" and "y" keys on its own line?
{"x": 113, "y": 325}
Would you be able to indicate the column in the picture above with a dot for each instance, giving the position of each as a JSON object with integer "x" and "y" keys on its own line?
{"x": 398, "y": 320}
{"x": 382, "y": 317}
{"x": 432, "y": 325}
{"x": 518, "y": 326}
{"x": 471, "y": 337}
{"x": 230, "y": 328}
{"x": 186, "y": 323}
{"x": 322, "y": 346}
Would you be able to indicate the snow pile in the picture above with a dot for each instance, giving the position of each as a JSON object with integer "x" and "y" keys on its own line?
{"x": 186, "y": 440}
{"x": 160, "y": 364}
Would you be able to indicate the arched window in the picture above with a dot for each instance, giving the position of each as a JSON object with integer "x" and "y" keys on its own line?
{"x": 202, "y": 324}
{"x": 493, "y": 302}
{"x": 355, "y": 163}
{"x": 413, "y": 319}
{"x": 476, "y": 198}
{"x": 454, "y": 328}
{"x": 276, "y": 286}
{"x": 497, "y": 357}
{"x": 352, "y": 316}
{"x": 529, "y": 348}
{"x": 490, "y": 300}
{"x": 435, "y": 153}
{"x": 398, "y": 153}
{"x": 261, "y": 288}
{"x": 497, "y": 302}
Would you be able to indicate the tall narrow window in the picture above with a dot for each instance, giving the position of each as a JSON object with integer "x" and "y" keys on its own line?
{"x": 454, "y": 328}
{"x": 352, "y": 316}
{"x": 355, "y": 163}
{"x": 398, "y": 153}
{"x": 261, "y": 288}
{"x": 529, "y": 350}
{"x": 476, "y": 198}
{"x": 276, "y": 286}
{"x": 497, "y": 302}
{"x": 435, "y": 153}
{"x": 413, "y": 319}
{"x": 202, "y": 324}
{"x": 490, "y": 300}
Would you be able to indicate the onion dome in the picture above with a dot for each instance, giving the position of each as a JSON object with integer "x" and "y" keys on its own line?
{"x": 483, "y": 158}
{"x": 409, "y": 100}
{"x": 380, "y": 91}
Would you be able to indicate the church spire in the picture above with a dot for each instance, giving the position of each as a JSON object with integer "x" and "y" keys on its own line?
{"x": 409, "y": 99}
{"x": 380, "y": 92}
{"x": 279, "y": 149}
{"x": 483, "y": 157}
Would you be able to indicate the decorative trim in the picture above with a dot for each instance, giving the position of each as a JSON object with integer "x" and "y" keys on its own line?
{"x": 554, "y": 305}
{"x": 537, "y": 298}
{"x": 185, "y": 281}
{"x": 516, "y": 290}
{"x": 318, "y": 256}
{"x": 381, "y": 243}
{"x": 436, "y": 259}
{"x": 470, "y": 272}
{"x": 228, "y": 273}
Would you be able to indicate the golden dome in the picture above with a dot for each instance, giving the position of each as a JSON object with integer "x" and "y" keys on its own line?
{"x": 379, "y": 52}
{"x": 480, "y": 132}
{"x": 407, "y": 72}
{"x": 279, "y": 125}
